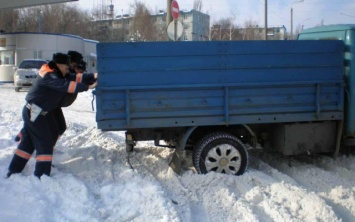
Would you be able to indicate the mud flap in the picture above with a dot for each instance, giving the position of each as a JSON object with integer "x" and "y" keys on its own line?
{"x": 177, "y": 162}
{"x": 182, "y": 161}
{"x": 340, "y": 126}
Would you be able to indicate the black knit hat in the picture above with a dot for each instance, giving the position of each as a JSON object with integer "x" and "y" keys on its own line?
{"x": 82, "y": 65}
{"x": 75, "y": 56}
{"x": 61, "y": 58}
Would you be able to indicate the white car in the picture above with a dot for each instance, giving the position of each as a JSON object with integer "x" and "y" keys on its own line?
{"x": 27, "y": 72}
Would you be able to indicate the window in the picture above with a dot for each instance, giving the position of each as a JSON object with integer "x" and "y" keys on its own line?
{"x": 37, "y": 54}
{"x": 31, "y": 64}
{"x": 7, "y": 57}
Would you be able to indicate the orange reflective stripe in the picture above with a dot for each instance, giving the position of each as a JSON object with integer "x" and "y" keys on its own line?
{"x": 44, "y": 70}
{"x": 23, "y": 154}
{"x": 44, "y": 158}
{"x": 79, "y": 77}
{"x": 72, "y": 87}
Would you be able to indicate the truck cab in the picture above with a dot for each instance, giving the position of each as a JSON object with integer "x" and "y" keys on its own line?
{"x": 345, "y": 33}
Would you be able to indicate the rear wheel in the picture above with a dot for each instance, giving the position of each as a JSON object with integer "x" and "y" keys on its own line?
{"x": 220, "y": 152}
{"x": 17, "y": 89}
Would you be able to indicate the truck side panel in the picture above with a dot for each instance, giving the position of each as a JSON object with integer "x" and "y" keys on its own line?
{"x": 171, "y": 84}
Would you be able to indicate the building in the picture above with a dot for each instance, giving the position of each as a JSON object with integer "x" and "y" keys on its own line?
{"x": 15, "y": 47}
{"x": 250, "y": 33}
{"x": 273, "y": 33}
{"x": 276, "y": 33}
{"x": 195, "y": 27}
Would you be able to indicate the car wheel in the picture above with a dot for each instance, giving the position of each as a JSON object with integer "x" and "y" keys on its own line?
{"x": 220, "y": 152}
{"x": 17, "y": 89}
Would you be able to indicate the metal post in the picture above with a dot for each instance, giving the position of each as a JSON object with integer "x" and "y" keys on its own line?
{"x": 122, "y": 26}
{"x": 175, "y": 30}
{"x": 220, "y": 32}
{"x": 40, "y": 21}
{"x": 169, "y": 16}
{"x": 265, "y": 29}
{"x": 291, "y": 36}
{"x": 230, "y": 32}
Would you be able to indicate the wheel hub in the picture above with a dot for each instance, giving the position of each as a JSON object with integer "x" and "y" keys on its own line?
{"x": 223, "y": 162}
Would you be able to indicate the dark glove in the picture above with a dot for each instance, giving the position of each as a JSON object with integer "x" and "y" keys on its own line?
{"x": 91, "y": 81}
{"x": 89, "y": 78}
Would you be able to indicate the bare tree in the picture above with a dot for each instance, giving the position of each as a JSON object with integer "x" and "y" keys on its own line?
{"x": 224, "y": 29}
{"x": 197, "y": 5}
{"x": 8, "y": 20}
{"x": 143, "y": 28}
{"x": 58, "y": 18}
{"x": 252, "y": 31}
{"x": 101, "y": 11}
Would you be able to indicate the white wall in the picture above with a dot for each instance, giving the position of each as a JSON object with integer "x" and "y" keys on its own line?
{"x": 90, "y": 55}
{"x": 22, "y": 46}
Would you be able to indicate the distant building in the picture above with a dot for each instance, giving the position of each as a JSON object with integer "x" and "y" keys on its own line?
{"x": 196, "y": 26}
{"x": 273, "y": 32}
{"x": 249, "y": 33}
{"x": 276, "y": 32}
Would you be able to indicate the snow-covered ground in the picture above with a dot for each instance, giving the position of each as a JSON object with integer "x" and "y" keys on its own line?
{"x": 91, "y": 180}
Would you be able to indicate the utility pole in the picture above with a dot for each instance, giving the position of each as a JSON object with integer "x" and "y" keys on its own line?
{"x": 169, "y": 16}
{"x": 230, "y": 32}
{"x": 265, "y": 28}
{"x": 111, "y": 7}
{"x": 40, "y": 21}
{"x": 291, "y": 37}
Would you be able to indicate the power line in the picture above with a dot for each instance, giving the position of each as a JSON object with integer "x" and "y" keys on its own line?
{"x": 284, "y": 3}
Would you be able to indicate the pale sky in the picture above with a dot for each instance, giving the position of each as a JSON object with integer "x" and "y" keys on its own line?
{"x": 308, "y": 13}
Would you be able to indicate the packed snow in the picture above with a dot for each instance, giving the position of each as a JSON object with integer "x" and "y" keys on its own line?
{"x": 92, "y": 181}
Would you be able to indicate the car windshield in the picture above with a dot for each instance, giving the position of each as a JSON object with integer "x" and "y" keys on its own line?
{"x": 31, "y": 64}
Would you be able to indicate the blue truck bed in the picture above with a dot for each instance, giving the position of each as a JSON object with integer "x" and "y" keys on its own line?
{"x": 174, "y": 84}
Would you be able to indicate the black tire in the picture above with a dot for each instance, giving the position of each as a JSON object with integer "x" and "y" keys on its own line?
{"x": 220, "y": 152}
{"x": 17, "y": 89}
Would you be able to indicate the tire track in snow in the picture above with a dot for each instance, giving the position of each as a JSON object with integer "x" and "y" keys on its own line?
{"x": 199, "y": 197}
{"x": 145, "y": 163}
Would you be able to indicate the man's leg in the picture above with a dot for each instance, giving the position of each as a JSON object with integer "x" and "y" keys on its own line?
{"x": 23, "y": 152}
{"x": 60, "y": 121}
{"x": 45, "y": 131}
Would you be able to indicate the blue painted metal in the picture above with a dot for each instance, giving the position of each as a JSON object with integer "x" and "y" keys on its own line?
{"x": 226, "y": 104}
{"x": 174, "y": 84}
{"x": 345, "y": 33}
{"x": 128, "y": 117}
{"x": 184, "y": 137}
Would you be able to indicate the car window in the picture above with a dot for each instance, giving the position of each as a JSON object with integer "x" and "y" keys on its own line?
{"x": 31, "y": 64}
